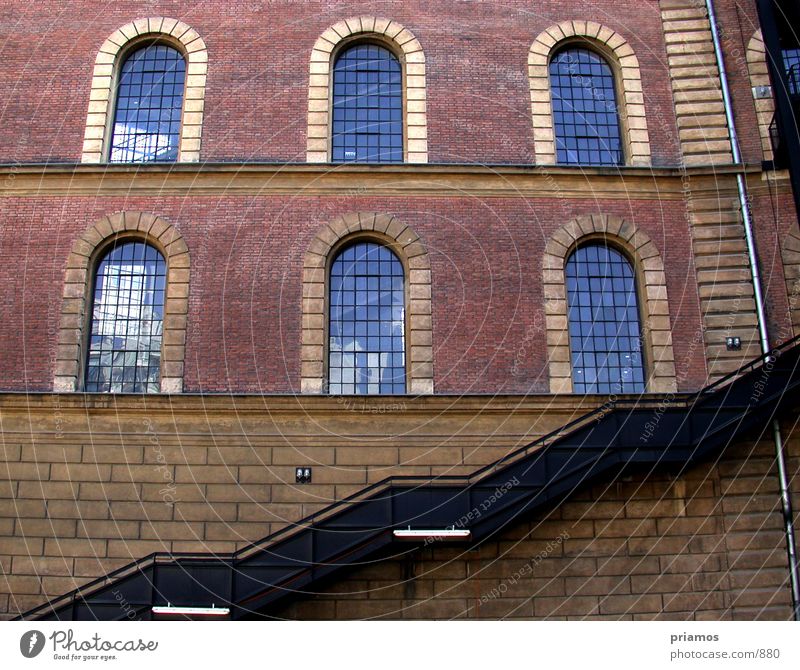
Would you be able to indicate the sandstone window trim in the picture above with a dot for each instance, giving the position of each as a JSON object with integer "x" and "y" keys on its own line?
{"x": 625, "y": 65}
{"x": 790, "y": 254}
{"x": 759, "y": 76}
{"x": 408, "y": 51}
{"x": 82, "y": 263}
{"x": 648, "y": 267}
{"x": 410, "y": 250}
{"x": 109, "y": 60}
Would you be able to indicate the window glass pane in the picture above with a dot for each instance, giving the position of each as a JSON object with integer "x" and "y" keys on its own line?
{"x": 367, "y": 322}
{"x": 791, "y": 61}
{"x": 147, "y": 119}
{"x": 367, "y": 106}
{"x": 585, "y": 114}
{"x": 124, "y": 353}
{"x": 604, "y": 326}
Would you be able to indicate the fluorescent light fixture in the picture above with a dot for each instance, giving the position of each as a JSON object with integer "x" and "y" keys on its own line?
{"x": 434, "y": 534}
{"x": 169, "y": 610}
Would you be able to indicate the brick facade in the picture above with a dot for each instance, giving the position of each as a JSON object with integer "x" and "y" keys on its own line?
{"x": 482, "y": 221}
{"x": 247, "y": 255}
{"x": 259, "y": 59}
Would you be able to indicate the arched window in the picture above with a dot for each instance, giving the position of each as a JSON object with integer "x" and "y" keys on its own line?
{"x": 367, "y": 106}
{"x": 149, "y": 105}
{"x": 791, "y": 63}
{"x": 585, "y": 113}
{"x": 604, "y": 323}
{"x": 366, "y": 342}
{"x": 124, "y": 349}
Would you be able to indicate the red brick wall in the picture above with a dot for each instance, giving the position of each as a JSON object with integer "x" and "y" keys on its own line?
{"x": 256, "y": 98}
{"x": 246, "y": 256}
{"x": 706, "y": 544}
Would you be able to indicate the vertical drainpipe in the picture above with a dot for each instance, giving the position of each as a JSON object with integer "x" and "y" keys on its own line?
{"x": 744, "y": 204}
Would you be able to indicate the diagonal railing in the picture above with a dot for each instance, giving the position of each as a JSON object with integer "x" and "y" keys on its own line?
{"x": 609, "y": 438}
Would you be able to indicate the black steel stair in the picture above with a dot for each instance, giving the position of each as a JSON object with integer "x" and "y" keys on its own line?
{"x": 672, "y": 431}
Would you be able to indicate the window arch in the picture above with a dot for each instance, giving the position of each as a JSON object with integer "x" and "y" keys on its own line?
{"x": 126, "y": 319}
{"x": 365, "y": 32}
{"x": 124, "y": 241}
{"x": 366, "y": 320}
{"x": 791, "y": 63}
{"x": 640, "y": 251}
{"x": 367, "y": 105}
{"x": 585, "y": 114}
{"x": 149, "y": 102}
{"x": 759, "y": 76}
{"x": 605, "y": 329}
{"x": 147, "y": 54}
{"x": 387, "y": 232}
{"x": 616, "y": 50}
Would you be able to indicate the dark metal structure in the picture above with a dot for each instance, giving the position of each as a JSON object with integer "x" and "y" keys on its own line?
{"x": 780, "y": 27}
{"x": 671, "y": 432}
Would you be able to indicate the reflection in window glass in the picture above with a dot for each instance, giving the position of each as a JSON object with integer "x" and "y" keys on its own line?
{"x": 124, "y": 353}
{"x": 791, "y": 61}
{"x": 147, "y": 121}
{"x": 604, "y": 327}
{"x": 367, "y": 106}
{"x": 367, "y": 322}
{"x": 585, "y": 114}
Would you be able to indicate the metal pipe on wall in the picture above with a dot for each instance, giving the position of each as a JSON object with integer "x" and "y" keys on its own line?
{"x": 744, "y": 204}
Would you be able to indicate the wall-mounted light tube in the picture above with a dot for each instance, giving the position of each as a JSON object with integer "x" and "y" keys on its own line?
{"x": 169, "y": 610}
{"x": 433, "y": 534}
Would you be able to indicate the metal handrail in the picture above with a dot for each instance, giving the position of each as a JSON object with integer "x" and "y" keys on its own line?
{"x": 685, "y": 400}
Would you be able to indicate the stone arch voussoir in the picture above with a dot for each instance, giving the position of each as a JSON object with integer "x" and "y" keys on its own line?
{"x": 410, "y": 248}
{"x": 412, "y": 57}
{"x": 652, "y": 294}
{"x": 107, "y": 62}
{"x": 78, "y": 278}
{"x": 631, "y": 105}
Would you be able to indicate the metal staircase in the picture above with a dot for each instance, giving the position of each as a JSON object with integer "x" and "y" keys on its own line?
{"x": 673, "y": 431}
